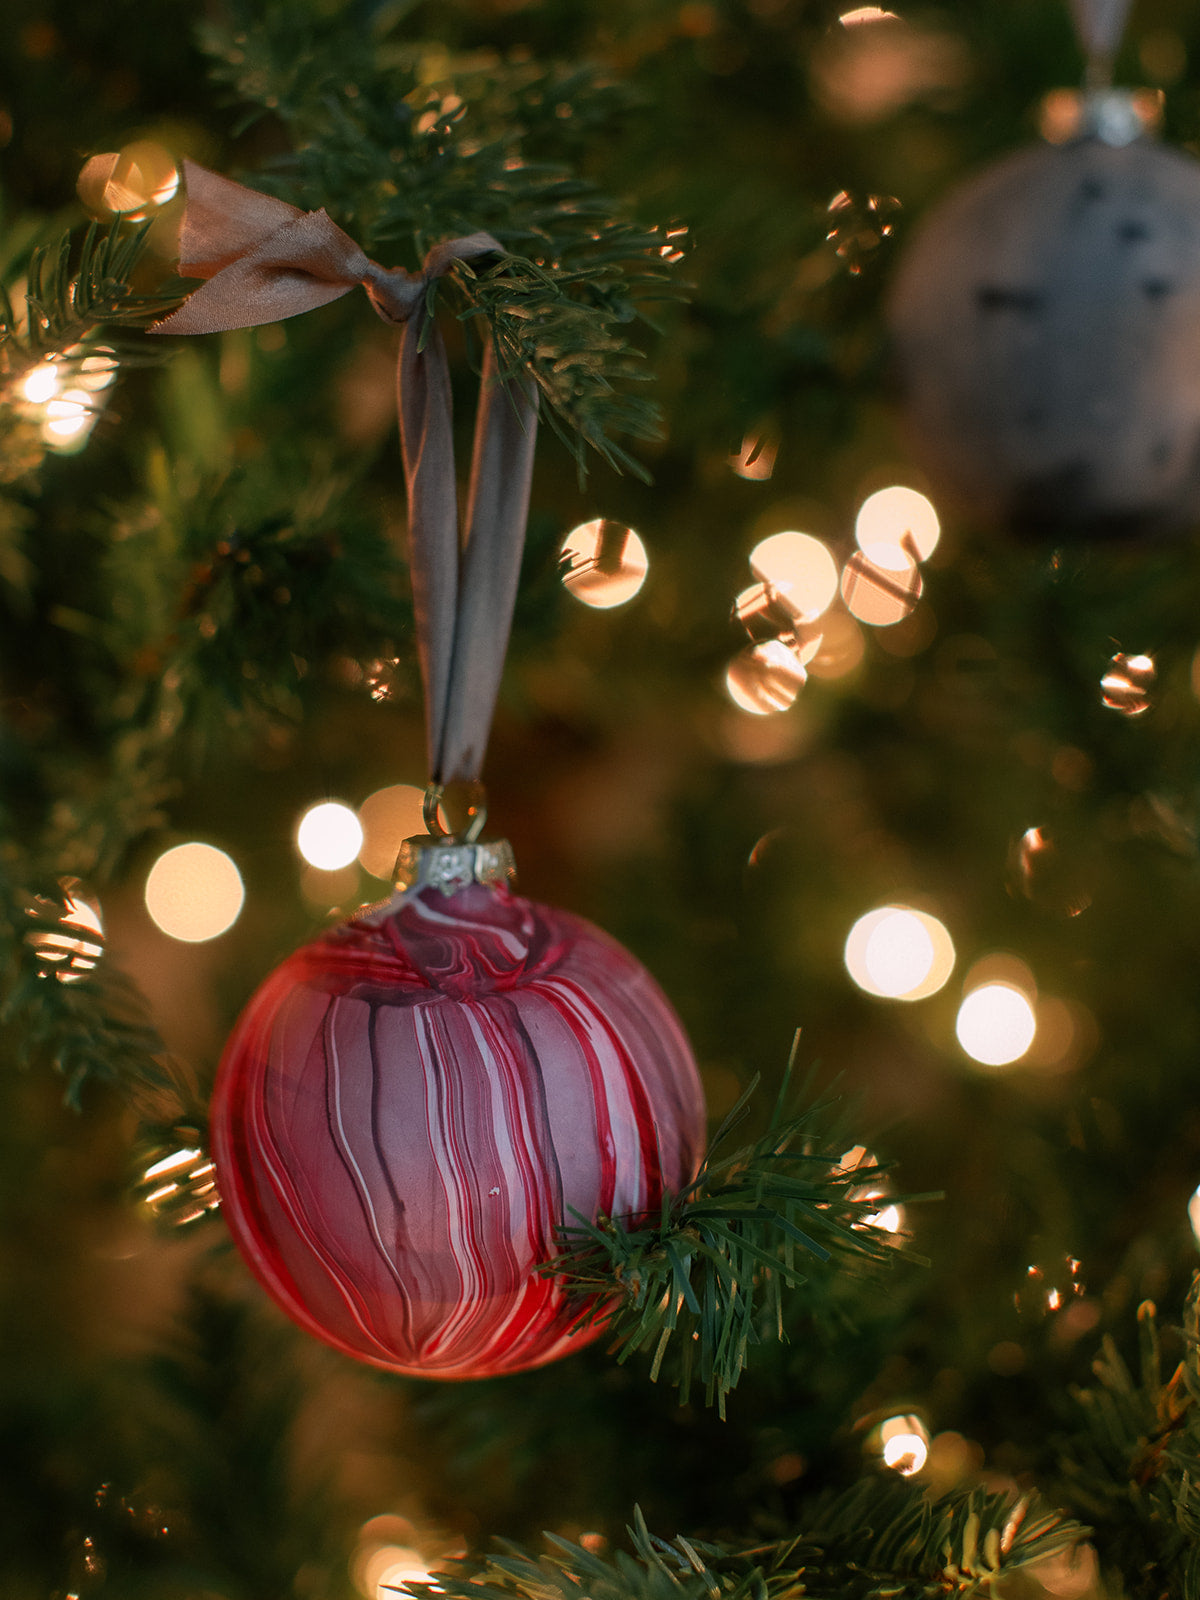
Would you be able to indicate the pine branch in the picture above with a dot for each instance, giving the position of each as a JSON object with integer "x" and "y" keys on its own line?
{"x": 403, "y": 150}
{"x": 883, "y": 1540}
{"x": 1131, "y": 1464}
{"x": 92, "y": 1029}
{"x": 68, "y": 302}
{"x": 711, "y": 1271}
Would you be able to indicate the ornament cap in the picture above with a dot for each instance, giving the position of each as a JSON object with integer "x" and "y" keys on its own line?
{"x": 449, "y": 864}
{"x": 1118, "y": 116}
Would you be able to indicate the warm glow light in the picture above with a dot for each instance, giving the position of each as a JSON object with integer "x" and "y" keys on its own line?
{"x": 881, "y": 585}
{"x": 800, "y": 568}
{"x": 1126, "y": 686}
{"x": 765, "y": 678}
{"x": 899, "y": 953}
{"x": 388, "y": 817}
{"x": 329, "y": 836}
{"x": 181, "y": 1187}
{"x": 756, "y": 459}
{"x": 1194, "y": 1214}
{"x": 996, "y": 1024}
{"x": 96, "y": 372}
{"x": 388, "y": 1568}
{"x": 842, "y": 646}
{"x": 861, "y": 14}
{"x": 898, "y": 516}
{"x": 130, "y": 183}
{"x": 68, "y": 415}
{"x": 41, "y": 384}
{"x": 889, "y": 1220}
{"x": 603, "y": 563}
{"x": 71, "y": 949}
{"x": 194, "y": 893}
{"x": 905, "y": 1443}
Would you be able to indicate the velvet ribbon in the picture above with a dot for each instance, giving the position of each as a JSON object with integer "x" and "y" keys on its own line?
{"x": 1100, "y": 24}
{"x": 265, "y": 260}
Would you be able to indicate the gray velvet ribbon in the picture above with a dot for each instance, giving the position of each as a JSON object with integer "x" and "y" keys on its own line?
{"x": 266, "y": 260}
{"x": 1100, "y": 24}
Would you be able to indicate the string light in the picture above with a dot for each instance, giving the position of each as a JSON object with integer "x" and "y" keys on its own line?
{"x": 881, "y": 584}
{"x": 1126, "y": 686}
{"x": 329, "y": 836}
{"x": 904, "y": 1444}
{"x": 383, "y": 1563}
{"x": 194, "y": 893}
{"x": 180, "y": 1187}
{"x": 899, "y": 953}
{"x": 62, "y": 395}
{"x": 603, "y": 563}
{"x": 41, "y": 384}
{"x": 388, "y": 817}
{"x": 842, "y": 646}
{"x": 131, "y": 183}
{"x": 898, "y": 516}
{"x": 889, "y": 1218}
{"x": 755, "y": 461}
{"x": 71, "y": 947}
{"x": 765, "y": 678}
{"x": 996, "y": 1024}
{"x": 800, "y": 568}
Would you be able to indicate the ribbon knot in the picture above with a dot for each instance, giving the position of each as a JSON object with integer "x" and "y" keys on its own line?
{"x": 266, "y": 260}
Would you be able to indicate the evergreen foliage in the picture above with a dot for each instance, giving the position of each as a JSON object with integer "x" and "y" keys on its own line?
{"x": 204, "y": 627}
{"x": 711, "y": 1273}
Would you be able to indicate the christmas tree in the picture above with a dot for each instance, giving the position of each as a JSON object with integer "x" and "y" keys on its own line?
{"x": 883, "y": 767}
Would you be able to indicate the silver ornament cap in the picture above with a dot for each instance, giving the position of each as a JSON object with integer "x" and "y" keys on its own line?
{"x": 449, "y": 864}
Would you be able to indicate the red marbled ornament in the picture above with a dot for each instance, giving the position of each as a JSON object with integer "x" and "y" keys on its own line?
{"x": 411, "y": 1105}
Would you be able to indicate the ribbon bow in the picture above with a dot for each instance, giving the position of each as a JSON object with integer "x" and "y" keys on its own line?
{"x": 266, "y": 260}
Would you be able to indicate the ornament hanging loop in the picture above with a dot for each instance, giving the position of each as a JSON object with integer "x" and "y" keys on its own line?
{"x": 456, "y": 811}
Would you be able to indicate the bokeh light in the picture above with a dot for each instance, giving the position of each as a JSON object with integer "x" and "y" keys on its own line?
{"x": 180, "y": 1187}
{"x": 904, "y": 1444}
{"x": 67, "y": 415}
{"x": 876, "y": 63}
{"x": 800, "y": 568}
{"x": 388, "y": 1568}
{"x": 63, "y": 395}
{"x": 603, "y": 563}
{"x": 1194, "y": 1214}
{"x": 881, "y": 585}
{"x": 765, "y": 678}
{"x": 72, "y": 947}
{"x": 41, "y": 384}
{"x": 859, "y": 224}
{"x": 755, "y": 461}
{"x": 898, "y": 516}
{"x": 388, "y": 817}
{"x": 131, "y": 183}
{"x": 842, "y": 646}
{"x": 1126, "y": 686}
{"x": 329, "y": 836}
{"x": 899, "y": 953}
{"x": 996, "y": 1024}
{"x": 194, "y": 892}
{"x": 384, "y": 1560}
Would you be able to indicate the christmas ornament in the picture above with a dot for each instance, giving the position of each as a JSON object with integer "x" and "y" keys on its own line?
{"x": 1046, "y": 326}
{"x": 412, "y": 1106}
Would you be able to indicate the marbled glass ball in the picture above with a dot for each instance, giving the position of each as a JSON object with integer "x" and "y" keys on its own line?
{"x": 413, "y": 1104}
